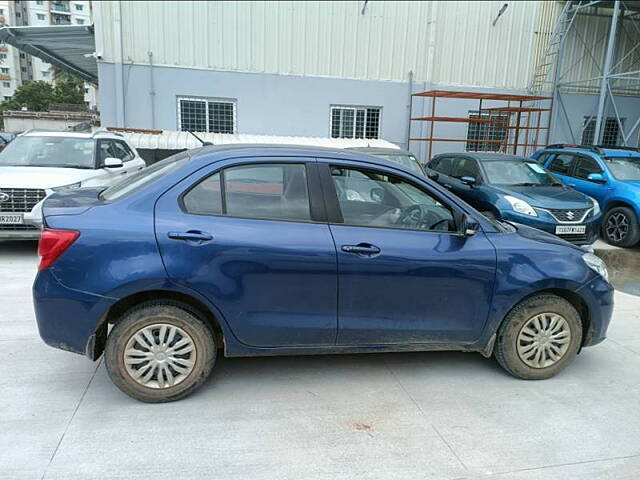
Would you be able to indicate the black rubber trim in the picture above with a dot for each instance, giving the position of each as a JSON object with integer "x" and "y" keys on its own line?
{"x": 317, "y": 208}
{"x": 334, "y": 214}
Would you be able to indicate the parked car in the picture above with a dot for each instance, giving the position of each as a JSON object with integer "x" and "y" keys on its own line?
{"x": 611, "y": 176}
{"x": 257, "y": 250}
{"x": 37, "y": 164}
{"x": 516, "y": 189}
{"x": 394, "y": 155}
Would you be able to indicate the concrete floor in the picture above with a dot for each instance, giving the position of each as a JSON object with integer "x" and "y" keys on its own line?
{"x": 391, "y": 416}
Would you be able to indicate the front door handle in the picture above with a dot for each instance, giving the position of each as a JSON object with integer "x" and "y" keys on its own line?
{"x": 361, "y": 249}
{"x": 191, "y": 236}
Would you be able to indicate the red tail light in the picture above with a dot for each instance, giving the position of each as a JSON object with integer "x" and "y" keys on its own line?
{"x": 54, "y": 243}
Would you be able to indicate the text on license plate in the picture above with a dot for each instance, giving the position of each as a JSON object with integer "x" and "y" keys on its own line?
{"x": 569, "y": 229}
{"x": 11, "y": 219}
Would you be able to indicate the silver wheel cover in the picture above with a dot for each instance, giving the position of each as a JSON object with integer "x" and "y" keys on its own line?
{"x": 543, "y": 340}
{"x": 160, "y": 356}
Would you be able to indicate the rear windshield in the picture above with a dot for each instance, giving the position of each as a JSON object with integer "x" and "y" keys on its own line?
{"x": 145, "y": 177}
{"x": 408, "y": 161}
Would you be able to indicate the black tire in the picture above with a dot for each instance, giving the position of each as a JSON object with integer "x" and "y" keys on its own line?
{"x": 185, "y": 321}
{"x": 507, "y": 341}
{"x": 489, "y": 215}
{"x": 620, "y": 227}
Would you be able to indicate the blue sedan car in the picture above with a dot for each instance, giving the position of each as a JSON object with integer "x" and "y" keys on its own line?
{"x": 611, "y": 176}
{"x": 257, "y": 250}
{"x": 508, "y": 187}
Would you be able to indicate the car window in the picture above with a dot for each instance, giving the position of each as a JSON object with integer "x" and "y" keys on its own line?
{"x": 48, "y": 151}
{"x": 149, "y": 175}
{"x": 624, "y": 168}
{"x": 542, "y": 158}
{"x": 585, "y": 166}
{"x": 562, "y": 164}
{"x": 442, "y": 165}
{"x": 466, "y": 167}
{"x": 121, "y": 150}
{"x": 262, "y": 191}
{"x": 375, "y": 199}
{"x": 104, "y": 151}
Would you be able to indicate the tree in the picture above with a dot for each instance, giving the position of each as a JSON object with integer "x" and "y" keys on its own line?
{"x": 35, "y": 96}
{"x": 67, "y": 87}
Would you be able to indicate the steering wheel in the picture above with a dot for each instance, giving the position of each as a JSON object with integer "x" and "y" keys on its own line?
{"x": 411, "y": 216}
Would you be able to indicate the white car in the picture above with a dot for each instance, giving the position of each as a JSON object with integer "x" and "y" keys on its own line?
{"x": 36, "y": 164}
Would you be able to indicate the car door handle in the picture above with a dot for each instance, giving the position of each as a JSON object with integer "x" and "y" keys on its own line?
{"x": 361, "y": 249}
{"x": 446, "y": 185}
{"x": 191, "y": 236}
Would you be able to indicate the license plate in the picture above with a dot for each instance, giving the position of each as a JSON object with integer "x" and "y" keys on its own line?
{"x": 11, "y": 219}
{"x": 570, "y": 229}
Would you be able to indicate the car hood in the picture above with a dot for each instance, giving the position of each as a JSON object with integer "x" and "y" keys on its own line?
{"x": 542, "y": 236}
{"x": 547, "y": 197}
{"x": 42, "y": 177}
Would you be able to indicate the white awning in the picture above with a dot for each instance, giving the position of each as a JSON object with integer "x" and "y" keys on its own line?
{"x": 172, "y": 140}
{"x": 69, "y": 47}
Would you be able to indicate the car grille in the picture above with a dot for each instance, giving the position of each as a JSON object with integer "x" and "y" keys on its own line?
{"x": 581, "y": 237}
{"x": 569, "y": 216}
{"x": 21, "y": 200}
{"x": 16, "y": 228}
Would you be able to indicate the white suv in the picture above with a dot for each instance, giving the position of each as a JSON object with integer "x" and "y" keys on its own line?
{"x": 36, "y": 164}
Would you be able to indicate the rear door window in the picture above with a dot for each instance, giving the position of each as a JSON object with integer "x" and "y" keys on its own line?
{"x": 442, "y": 165}
{"x": 562, "y": 164}
{"x": 261, "y": 191}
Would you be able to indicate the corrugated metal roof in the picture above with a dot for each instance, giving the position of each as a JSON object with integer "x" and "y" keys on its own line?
{"x": 172, "y": 140}
{"x": 65, "y": 46}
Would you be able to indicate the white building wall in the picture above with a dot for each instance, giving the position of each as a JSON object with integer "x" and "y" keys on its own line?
{"x": 451, "y": 43}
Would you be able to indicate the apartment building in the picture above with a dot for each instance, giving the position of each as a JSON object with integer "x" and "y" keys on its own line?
{"x": 17, "y": 67}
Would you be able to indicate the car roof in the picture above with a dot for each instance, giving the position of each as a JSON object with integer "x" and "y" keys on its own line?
{"x": 380, "y": 150}
{"x": 606, "y": 152}
{"x": 485, "y": 156}
{"x": 89, "y": 135}
{"x": 222, "y": 152}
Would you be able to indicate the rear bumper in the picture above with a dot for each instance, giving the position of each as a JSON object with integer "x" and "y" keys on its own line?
{"x": 590, "y": 236}
{"x": 598, "y": 294}
{"x": 67, "y": 319}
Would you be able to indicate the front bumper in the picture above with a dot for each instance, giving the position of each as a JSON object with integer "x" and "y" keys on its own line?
{"x": 67, "y": 318}
{"x": 548, "y": 224}
{"x": 25, "y": 232}
{"x": 598, "y": 295}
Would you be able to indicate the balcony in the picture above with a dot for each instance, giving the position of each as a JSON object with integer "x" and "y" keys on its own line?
{"x": 4, "y": 77}
{"x": 62, "y": 8}
{"x": 60, "y": 20}
{"x": 3, "y": 48}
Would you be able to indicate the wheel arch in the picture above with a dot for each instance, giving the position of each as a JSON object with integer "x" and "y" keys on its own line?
{"x": 97, "y": 342}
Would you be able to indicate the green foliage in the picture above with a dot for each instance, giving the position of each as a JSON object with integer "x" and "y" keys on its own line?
{"x": 38, "y": 95}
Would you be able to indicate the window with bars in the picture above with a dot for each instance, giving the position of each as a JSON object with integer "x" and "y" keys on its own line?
{"x": 207, "y": 115}
{"x": 487, "y": 136}
{"x": 610, "y": 133}
{"x": 355, "y": 122}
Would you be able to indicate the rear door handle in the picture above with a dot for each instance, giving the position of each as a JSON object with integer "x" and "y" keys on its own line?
{"x": 361, "y": 249}
{"x": 191, "y": 236}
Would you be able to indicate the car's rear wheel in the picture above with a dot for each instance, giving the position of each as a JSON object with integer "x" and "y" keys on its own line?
{"x": 539, "y": 337}
{"x": 620, "y": 227}
{"x": 160, "y": 352}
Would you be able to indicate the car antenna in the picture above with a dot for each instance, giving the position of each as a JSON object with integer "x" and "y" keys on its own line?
{"x": 204, "y": 144}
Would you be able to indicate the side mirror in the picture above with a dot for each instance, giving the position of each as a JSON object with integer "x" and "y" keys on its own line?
{"x": 111, "y": 162}
{"x": 471, "y": 181}
{"x": 596, "y": 178}
{"x": 467, "y": 227}
{"x": 433, "y": 175}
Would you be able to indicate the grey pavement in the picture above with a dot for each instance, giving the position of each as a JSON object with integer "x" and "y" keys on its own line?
{"x": 374, "y": 416}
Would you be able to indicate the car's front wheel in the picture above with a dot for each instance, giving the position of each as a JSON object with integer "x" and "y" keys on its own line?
{"x": 620, "y": 227}
{"x": 539, "y": 337}
{"x": 159, "y": 352}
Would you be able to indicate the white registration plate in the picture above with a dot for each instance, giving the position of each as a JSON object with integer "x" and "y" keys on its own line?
{"x": 570, "y": 229}
{"x": 11, "y": 219}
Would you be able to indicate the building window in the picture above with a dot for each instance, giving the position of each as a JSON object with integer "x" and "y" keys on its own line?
{"x": 487, "y": 136}
{"x": 40, "y": 16}
{"x": 86, "y": 90}
{"x": 207, "y": 115}
{"x": 39, "y": 2}
{"x": 24, "y": 69}
{"x": 18, "y": 14}
{"x": 355, "y": 122}
{"x": 22, "y": 55}
{"x": 4, "y": 70}
{"x": 7, "y": 97}
{"x": 79, "y": 7}
{"x": 610, "y": 134}
{"x": 6, "y": 84}
{"x": 80, "y": 21}
{"x": 45, "y": 73}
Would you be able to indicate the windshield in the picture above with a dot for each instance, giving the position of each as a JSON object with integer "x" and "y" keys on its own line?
{"x": 517, "y": 173}
{"x": 408, "y": 161}
{"x": 144, "y": 177}
{"x": 58, "y": 152}
{"x": 624, "y": 168}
